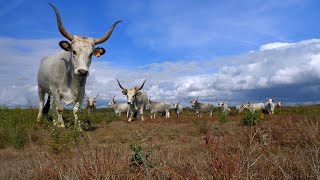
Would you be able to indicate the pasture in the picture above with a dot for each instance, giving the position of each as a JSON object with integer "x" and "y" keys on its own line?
{"x": 285, "y": 145}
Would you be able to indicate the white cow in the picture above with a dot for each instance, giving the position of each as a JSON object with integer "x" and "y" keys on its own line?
{"x": 137, "y": 100}
{"x": 254, "y": 106}
{"x": 224, "y": 107}
{"x": 177, "y": 108}
{"x": 269, "y": 106}
{"x": 240, "y": 108}
{"x": 119, "y": 108}
{"x": 162, "y": 107}
{"x": 201, "y": 107}
{"x": 64, "y": 74}
{"x": 91, "y": 104}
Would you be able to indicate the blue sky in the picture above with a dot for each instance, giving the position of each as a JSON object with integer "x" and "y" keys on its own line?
{"x": 196, "y": 40}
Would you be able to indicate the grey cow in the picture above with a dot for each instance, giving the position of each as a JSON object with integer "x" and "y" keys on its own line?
{"x": 201, "y": 107}
{"x": 119, "y": 108}
{"x": 155, "y": 107}
{"x": 64, "y": 74}
{"x": 137, "y": 100}
{"x": 178, "y": 109}
{"x": 269, "y": 106}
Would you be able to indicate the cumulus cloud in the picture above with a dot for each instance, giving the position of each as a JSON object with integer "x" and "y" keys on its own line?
{"x": 291, "y": 74}
{"x": 275, "y": 45}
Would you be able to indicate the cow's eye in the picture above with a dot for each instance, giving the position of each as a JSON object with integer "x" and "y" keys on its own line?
{"x": 74, "y": 53}
{"x": 90, "y": 55}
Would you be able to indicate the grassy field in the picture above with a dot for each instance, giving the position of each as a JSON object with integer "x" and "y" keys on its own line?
{"x": 281, "y": 146}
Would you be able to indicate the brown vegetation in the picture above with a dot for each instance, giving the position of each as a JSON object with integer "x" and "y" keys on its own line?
{"x": 282, "y": 146}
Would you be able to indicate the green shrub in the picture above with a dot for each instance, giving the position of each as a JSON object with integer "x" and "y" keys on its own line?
{"x": 222, "y": 118}
{"x": 139, "y": 158}
{"x": 251, "y": 118}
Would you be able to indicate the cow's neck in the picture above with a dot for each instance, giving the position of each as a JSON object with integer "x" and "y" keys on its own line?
{"x": 76, "y": 83}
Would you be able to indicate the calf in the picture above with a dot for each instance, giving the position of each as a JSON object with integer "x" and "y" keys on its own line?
{"x": 119, "y": 108}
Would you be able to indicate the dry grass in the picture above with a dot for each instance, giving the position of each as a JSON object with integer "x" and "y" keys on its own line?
{"x": 282, "y": 146}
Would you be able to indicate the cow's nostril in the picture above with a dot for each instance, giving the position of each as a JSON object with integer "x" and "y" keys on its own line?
{"x": 82, "y": 72}
{"x": 129, "y": 102}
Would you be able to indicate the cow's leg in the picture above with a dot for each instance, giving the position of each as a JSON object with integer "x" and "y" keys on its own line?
{"x": 130, "y": 115}
{"x": 77, "y": 123}
{"x": 211, "y": 114}
{"x": 141, "y": 113}
{"x": 127, "y": 113}
{"x": 59, "y": 109}
{"x": 41, "y": 94}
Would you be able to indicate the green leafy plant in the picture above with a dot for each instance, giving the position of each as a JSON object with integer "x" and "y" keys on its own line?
{"x": 223, "y": 118}
{"x": 251, "y": 119}
{"x": 139, "y": 158}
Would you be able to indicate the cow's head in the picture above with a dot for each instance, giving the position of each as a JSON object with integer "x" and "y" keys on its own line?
{"x": 269, "y": 100}
{"x": 279, "y": 104}
{"x": 131, "y": 93}
{"x": 91, "y": 102}
{"x": 81, "y": 48}
{"x": 175, "y": 105}
{"x": 149, "y": 103}
{"x": 194, "y": 102}
{"x": 221, "y": 103}
{"x": 112, "y": 102}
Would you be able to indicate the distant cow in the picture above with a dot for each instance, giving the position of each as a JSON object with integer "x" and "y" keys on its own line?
{"x": 119, "y": 108}
{"x": 136, "y": 99}
{"x": 63, "y": 75}
{"x": 201, "y": 107}
{"x": 240, "y": 108}
{"x": 162, "y": 107}
{"x": 269, "y": 106}
{"x": 254, "y": 106}
{"x": 177, "y": 108}
{"x": 224, "y": 107}
{"x": 279, "y": 104}
{"x": 91, "y": 104}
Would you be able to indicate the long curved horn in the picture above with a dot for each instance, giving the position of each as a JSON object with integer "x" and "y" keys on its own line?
{"x": 197, "y": 98}
{"x": 120, "y": 85}
{"x": 141, "y": 85}
{"x": 106, "y": 36}
{"x": 60, "y": 25}
{"x": 97, "y": 96}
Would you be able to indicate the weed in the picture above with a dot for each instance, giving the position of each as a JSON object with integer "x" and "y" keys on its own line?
{"x": 222, "y": 118}
{"x": 139, "y": 158}
{"x": 251, "y": 119}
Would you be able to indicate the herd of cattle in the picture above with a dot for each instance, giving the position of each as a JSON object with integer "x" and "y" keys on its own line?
{"x": 64, "y": 74}
{"x": 137, "y": 102}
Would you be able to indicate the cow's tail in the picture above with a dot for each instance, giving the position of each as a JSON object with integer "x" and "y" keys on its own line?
{"x": 46, "y": 107}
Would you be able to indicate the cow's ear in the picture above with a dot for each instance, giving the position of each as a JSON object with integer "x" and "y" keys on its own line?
{"x": 65, "y": 45}
{"x": 124, "y": 92}
{"x": 99, "y": 51}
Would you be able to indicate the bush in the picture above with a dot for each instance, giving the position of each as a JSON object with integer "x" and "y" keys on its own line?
{"x": 251, "y": 119}
{"x": 223, "y": 118}
{"x": 139, "y": 158}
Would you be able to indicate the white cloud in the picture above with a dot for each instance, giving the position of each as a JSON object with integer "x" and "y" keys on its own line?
{"x": 291, "y": 73}
{"x": 275, "y": 45}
